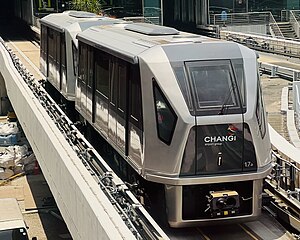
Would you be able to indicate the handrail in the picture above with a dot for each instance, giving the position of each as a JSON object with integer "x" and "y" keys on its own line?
{"x": 266, "y": 18}
{"x": 294, "y": 21}
{"x": 275, "y": 26}
{"x": 152, "y": 20}
{"x": 282, "y": 46}
{"x": 284, "y": 15}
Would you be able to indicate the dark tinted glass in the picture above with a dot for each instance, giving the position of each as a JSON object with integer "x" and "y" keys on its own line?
{"x": 102, "y": 73}
{"x": 183, "y": 84}
{"x": 215, "y": 87}
{"x": 136, "y": 116}
{"x": 165, "y": 116}
{"x": 260, "y": 115}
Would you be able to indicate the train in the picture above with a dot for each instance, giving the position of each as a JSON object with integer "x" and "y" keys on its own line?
{"x": 183, "y": 115}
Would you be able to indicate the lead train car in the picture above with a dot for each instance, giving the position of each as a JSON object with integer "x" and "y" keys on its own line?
{"x": 185, "y": 111}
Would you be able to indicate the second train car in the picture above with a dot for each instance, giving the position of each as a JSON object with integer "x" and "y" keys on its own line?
{"x": 184, "y": 111}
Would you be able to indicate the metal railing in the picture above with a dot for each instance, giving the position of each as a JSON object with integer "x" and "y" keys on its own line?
{"x": 296, "y": 102}
{"x": 284, "y": 178}
{"x": 284, "y": 15}
{"x": 152, "y": 20}
{"x": 240, "y": 18}
{"x": 294, "y": 18}
{"x": 274, "y": 27}
{"x": 279, "y": 71}
{"x": 277, "y": 45}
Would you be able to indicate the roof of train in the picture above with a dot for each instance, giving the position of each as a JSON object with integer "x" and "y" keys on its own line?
{"x": 63, "y": 21}
{"x": 130, "y": 40}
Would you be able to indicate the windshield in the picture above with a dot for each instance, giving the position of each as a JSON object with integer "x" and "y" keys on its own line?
{"x": 14, "y": 234}
{"x": 214, "y": 87}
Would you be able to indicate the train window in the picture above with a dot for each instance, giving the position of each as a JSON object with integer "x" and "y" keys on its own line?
{"x": 260, "y": 115}
{"x": 63, "y": 50}
{"x": 114, "y": 82}
{"x": 183, "y": 84}
{"x": 83, "y": 62}
{"x": 122, "y": 72}
{"x": 214, "y": 87}
{"x": 238, "y": 67}
{"x": 51, "y": 42}
{"x": 58, "y": 53}
{"x": 75, "y": 58}
{"x": 165, "y": 116}
{"x": 136, "y": 116}
{"x": 43, "y": 38}
{"x": 90, "y": 67}
{"x": 102, "y": 73}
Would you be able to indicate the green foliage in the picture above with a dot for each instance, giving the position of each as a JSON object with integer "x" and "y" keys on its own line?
{"x": 93, "y": 6}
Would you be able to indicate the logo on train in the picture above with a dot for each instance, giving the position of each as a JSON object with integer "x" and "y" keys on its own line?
{"x": 218, "y": 140}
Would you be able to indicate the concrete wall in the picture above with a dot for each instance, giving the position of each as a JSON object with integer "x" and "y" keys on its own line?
{"x": 4, "y": 102}
{"x": 87, "y": 212}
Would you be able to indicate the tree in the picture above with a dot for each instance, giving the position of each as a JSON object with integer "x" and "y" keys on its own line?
{"x": 93, "y": 6}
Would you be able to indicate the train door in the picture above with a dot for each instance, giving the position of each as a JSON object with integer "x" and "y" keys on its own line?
{"x": 57, "y": 60}
{"x": 63, "y": 63}
{"x": 82, "y": 78}
{"x": 89, "y": 84}
{"x": 135, "y": 117}
{"x": 102, "y": 76}
{"x": 217, "y": 96}
{"x": 117, "y": 123}
{"x": 43, "y": 50}
{"x": 51, "y": 55}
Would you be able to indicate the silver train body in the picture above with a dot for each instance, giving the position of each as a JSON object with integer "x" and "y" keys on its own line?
{"x": 183, "y": 110}
{"x": 58, "y": 48}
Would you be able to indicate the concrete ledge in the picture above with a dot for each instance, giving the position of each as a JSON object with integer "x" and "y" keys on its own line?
{"x": 284, "y": 146}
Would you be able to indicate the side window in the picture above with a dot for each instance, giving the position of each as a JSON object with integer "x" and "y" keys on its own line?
{"x": 51, "y": 43}
{"x": 63, "y": 50}
{"x": 75, "y": 58}
{"x": 102, "y": 73}
{"x": 165, "y": 116}
{"x": 123, "y": 79}
{"x": 83, "y": 62}
{"x": 90, "y": 67}
{"x": 260, "y": 111}
{"x": 136, "y": 116}
{"x": 44, "y": 38}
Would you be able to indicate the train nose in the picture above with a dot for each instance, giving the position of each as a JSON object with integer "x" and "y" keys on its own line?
{"x": 223, "y": 203}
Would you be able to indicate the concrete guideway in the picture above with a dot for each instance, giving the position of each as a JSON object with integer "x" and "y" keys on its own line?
{"x": 85, "y": 208}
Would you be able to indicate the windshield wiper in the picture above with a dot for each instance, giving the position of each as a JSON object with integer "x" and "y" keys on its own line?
{"x": 224, "y": 104}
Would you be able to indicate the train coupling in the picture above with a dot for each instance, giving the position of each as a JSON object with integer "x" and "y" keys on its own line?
{"x": 223, "y": 203}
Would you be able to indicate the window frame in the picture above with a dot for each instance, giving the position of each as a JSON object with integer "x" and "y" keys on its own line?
{"x": 259, "y": 111}
{"x": 234, "y": 90}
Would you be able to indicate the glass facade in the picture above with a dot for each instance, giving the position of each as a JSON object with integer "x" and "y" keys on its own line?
{"x": 152, "y": 11}
{"x": 239, "y": 6}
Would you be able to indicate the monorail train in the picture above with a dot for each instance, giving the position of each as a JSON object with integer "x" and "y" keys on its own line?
{"x": 184, "y": 111}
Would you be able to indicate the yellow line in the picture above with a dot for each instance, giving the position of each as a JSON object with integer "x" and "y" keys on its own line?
{"x": 249, "y": 233}
{"x": 203, "y": 234}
